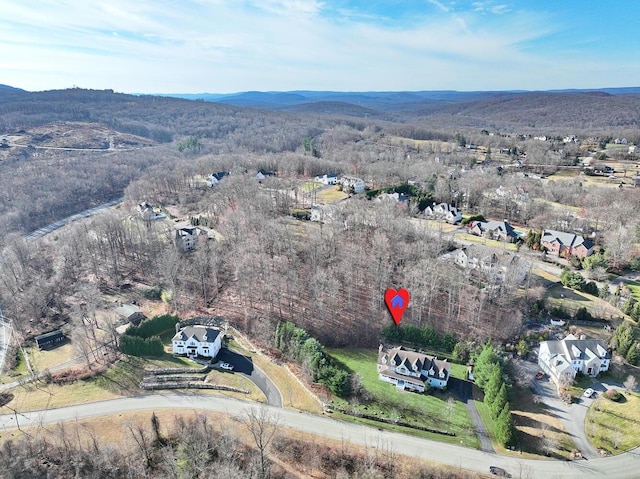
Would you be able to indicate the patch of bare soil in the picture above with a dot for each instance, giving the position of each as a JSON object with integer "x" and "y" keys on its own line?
{"x": 79, "y": 135}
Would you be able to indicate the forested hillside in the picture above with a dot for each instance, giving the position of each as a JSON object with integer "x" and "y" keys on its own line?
{"x": 267, "y": 266}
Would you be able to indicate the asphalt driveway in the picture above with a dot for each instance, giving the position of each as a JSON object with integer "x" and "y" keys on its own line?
{"x": 244, "y": 365}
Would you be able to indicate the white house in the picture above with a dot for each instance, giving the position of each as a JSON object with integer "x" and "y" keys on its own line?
{"x": 215, "y": 178}
{"x": 147, "y": 213}
{"x": 570, "y": 355}
{"x": 187, "y": 238}
{"x": 197, "y": 341}
{"x": 327, "y": 179}
{"x": 356, "y": 184}
{"x": 443, "y": 211}
{"x": 409, "y": 370}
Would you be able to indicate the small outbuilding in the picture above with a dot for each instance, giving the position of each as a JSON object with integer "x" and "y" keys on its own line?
{"x": 50, "y": 340}
{"x": 131, "y": 313}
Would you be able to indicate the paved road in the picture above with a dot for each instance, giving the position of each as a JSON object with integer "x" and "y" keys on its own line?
{"x": 60, "y": 223}
{"x": 623, "y": 466}
{"x": 245, "y": 366}
{"x": 5, "y": 338}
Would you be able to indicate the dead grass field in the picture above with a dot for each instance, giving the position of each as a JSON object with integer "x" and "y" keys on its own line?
{"x": 435, "y": 226}
{"x": 331, "y": 195}
{"x": 484, "y": 241}
{"x": 571, "y": 301}
{"x": 236, "y": 381}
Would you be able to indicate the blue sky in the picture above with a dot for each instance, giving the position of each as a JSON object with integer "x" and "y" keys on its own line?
{"x": 224, "y": 46}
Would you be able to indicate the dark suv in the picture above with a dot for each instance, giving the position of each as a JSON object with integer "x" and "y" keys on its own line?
{"x": 498, "y": 471}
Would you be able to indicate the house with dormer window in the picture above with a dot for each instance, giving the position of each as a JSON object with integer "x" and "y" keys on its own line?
{"x": 410, "y": 370}
{"x": 197, "y": 341}
{"x": 571, "y": 355}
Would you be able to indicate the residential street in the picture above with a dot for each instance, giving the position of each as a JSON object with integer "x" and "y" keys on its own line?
{"x": 620, "y": 467}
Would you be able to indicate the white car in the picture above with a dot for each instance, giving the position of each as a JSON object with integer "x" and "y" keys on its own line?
{"x": 588, "y": 393}
{"x": 226, "y": 366}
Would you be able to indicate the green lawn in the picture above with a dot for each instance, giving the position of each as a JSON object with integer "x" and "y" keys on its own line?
{"x": 614, "y": 426}
{"x": 634, "y": 287}
{"x": 427, "y": 410}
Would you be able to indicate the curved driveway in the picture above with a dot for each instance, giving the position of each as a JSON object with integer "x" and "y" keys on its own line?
{"x": 623, "y": 466}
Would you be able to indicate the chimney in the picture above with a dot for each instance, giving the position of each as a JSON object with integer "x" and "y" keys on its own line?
{"x": 177, "y": 327}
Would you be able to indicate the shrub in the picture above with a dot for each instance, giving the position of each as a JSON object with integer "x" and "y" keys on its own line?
{"x": 153, "y": 294}
{"x": 613, "y": 395}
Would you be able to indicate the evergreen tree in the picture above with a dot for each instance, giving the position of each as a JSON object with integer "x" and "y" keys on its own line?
{"x": 493, "y": 383}
{"x": 633, "y": 356}
{"x": 482, "y": 368}
{"x": 505, "y": 430}
{"x": 499, "y": 402}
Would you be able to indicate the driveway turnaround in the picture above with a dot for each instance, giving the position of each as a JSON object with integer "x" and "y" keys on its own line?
{"x": 623, "y": 466}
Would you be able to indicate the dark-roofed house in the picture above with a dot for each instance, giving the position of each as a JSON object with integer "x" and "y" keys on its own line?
{"x": 131, "y": 313}
{"x": 566, "y": 244}
{"x": 571, "y": 355}
{"x": 410, "y": 370}
{"x": 496, "y": 230}
{"x": 214, "y": 178}
{"x": 197, "y": 341}
{"x": 49, "y": 340}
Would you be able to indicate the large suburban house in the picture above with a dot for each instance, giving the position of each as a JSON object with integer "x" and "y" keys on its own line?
{"x": 566, "y": 244}
{"x": 496, "y": 230}
{"x": 197, "y": 341}
{"x": 475, "y": 256}
{"x": 187, "y": 238}
{"x": 443, "y": 211}
{"x": 410, "y": 370}
{"x": 569, "y": 356}
{"x": 327, "y": 179}
{"x": 351, "y": 183}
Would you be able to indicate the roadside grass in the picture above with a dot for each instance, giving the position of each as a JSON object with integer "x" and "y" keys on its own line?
{"x": 236, "y": 381}
{"x": 614, "y": 426}
{"x": 485, "y": 241}
{"x": 427, "y": 410}
{"x": 294, "y": 394}
{"x": 331, "y": 195}
{"x": 545, "y": 275}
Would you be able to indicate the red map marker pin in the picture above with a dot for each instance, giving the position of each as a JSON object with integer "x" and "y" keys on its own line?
{"x": 397, "y": 302}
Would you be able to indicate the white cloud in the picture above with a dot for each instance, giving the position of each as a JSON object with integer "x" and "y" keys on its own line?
{"x": 228, "y": 46}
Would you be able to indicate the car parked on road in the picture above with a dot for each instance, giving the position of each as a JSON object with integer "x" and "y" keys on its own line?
{"x": 498, "y": 471}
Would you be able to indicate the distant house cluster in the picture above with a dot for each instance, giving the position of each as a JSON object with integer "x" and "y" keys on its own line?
{"x": 410, "y": 370}
{"x": 566, "y": 244}
{"x": 443, "y": 212}
{"x": 349, "y": 183}
{"x": 486, "y": 260}
{"x": 569, "y": 356}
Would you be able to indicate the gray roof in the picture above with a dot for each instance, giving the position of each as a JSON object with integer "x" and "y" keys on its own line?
{"x": 567, "y": 239}
{"x": 564, "y": 348}
{"x": 127, "y": 310}
{"x": 501, "y": 226}
{"x": 409, "y": 358}
{"x": 201, "y": 333}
